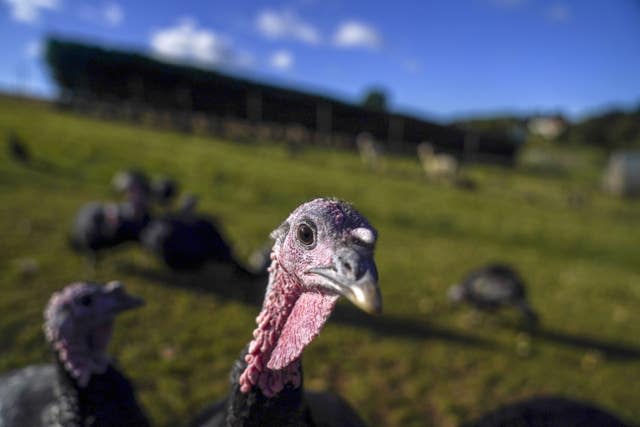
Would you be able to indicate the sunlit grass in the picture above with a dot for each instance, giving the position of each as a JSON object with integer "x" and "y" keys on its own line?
{"x": 422, "y": 362}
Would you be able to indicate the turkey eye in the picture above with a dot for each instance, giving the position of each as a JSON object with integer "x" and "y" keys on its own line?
{"x": 305, "y": 234}
{"x": 86, "y": 300}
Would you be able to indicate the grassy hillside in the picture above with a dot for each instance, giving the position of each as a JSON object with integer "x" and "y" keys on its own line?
{"x": 422, "y": 362}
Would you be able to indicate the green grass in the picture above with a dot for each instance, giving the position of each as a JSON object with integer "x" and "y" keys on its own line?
{"x": 422, "y": 362}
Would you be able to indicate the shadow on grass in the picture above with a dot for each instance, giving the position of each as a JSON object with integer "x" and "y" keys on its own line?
{"x": 611, "y": 350}
{"x": 45, "y": 168}
{"x": 217, "y": 279}
{"x": 405, "y": 327}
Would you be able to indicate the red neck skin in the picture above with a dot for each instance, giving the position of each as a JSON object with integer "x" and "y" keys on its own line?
{"x": 82, "y": 358}
{"x": 291, "y": 318}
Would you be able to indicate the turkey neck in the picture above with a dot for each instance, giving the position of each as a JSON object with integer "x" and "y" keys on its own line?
{"x": 259, "y": 395}
{"x": 282, "y": 293}
{"x": 66, "y": 409}
{"x": 107, "y": 400}
{"x": 254, "y": 409}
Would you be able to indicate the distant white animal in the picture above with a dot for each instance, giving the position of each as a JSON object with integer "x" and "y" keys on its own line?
{"x": 439, "y": 166}
{"x": 622, "y": 176}
{"x": 370, "y": 151}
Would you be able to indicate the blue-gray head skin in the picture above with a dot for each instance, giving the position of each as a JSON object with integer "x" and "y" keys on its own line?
{"x": 79, "y": 322}
{"x": 329, "y": 245}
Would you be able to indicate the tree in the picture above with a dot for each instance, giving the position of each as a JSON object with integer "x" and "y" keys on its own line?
{"x": 375, "y": 99}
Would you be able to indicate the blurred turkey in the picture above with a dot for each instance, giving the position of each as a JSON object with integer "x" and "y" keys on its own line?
{"x": 185, "y": 240}
{"x": 98, "y": 226}
{"x": 132, "y": 183}
{"x": 494, "y": 286}
{"x": 548, "y": 411}
{"x": 164, "y": 190}
{"x": 17, "y": 148}
{"x": 82, "y": 387}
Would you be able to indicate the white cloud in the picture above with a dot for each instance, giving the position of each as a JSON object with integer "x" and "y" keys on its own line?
{"x": 33, "y": 49}
{"x": 113, "y": 14}
{"x": 558, "y": 13}
{"x": 281, "y": 59}
{"x": 286, "y": 25}
{"x": 29, "y": 10}
{"x": 187, "y": 41}
{"x": 357, "y": 34}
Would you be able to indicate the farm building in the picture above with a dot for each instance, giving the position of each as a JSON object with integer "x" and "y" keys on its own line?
{"x": 136, "y": 87}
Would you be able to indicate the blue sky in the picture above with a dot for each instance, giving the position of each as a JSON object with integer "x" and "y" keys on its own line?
{"x": 445, "y": 59}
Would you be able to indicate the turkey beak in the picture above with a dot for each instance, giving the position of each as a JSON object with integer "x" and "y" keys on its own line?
{"x": 120, "y": 299}
{"x": 354, "y": 276}
{"x": 365, "y": 294}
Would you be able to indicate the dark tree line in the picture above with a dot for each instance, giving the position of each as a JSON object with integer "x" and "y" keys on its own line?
{"x": 610, "y": 130}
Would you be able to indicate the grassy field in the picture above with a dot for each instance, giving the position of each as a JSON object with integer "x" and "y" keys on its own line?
{"x": 422, "y": 362}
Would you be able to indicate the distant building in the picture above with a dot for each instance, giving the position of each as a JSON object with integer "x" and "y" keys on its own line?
{"x": 547, "y": 127}
{"x": 120, "y": 82}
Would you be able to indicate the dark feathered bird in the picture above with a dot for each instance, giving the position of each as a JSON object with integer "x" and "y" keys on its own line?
{"x": 132, "y": 183}
{"x": 186, "y": 242}
{"x": 98, "y": 226}
{"x": 322, "y": 251}
{"x": 17, "y": 148}
{"x": 82, "y": 387}
{"x": 494, "y": 286}
{"x": 164, "y": 190}
{"x": 548, "y": 411}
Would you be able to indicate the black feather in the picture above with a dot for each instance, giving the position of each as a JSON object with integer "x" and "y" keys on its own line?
{"x": 291, "y": 407}
{"x": 99, "y": 226}
{"x": 45, "y": 395}
{"x": 548, "y": 411}
{"x": 186, "y": 242}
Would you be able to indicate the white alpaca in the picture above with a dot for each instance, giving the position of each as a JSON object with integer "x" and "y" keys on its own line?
{"x": 437, "y": 166}
{"x": 370, "y": 151}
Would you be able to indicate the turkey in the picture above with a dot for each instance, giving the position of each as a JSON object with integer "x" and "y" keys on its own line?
{"x": 187, "y": 241}
{"x": 82, "y": 387}
{"x": 547, "y": 411}
{"x": 322, "y": 251}
{"x": 131, "y": 183}
{"x": 187, "y": 205}
{"x": 17, "y": 148}
{"x": 101, "y": 225}
{"x": 494, "y": 286}
{"x": 164, "y": 190}
{"x": 98, "y": 226}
